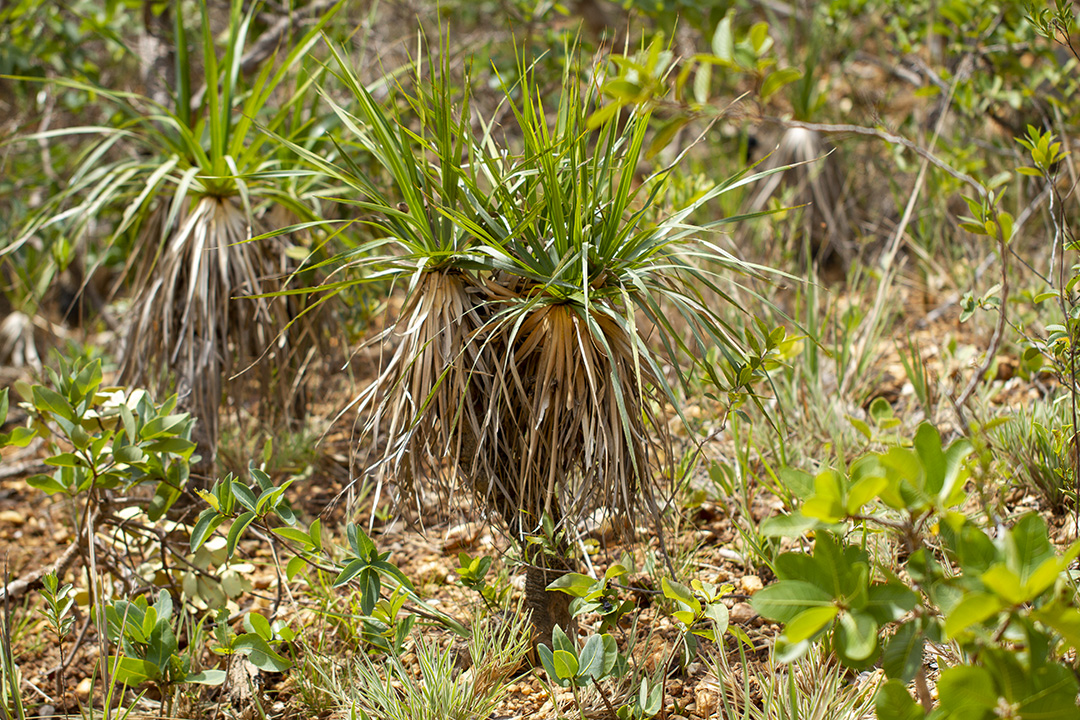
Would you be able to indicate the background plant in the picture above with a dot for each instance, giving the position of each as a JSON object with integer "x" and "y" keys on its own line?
{"x": 392, "y": 690}
{"x": 150, "y": 650}
{"x": 989, "y": 595}
{"x": 194, "y": 188}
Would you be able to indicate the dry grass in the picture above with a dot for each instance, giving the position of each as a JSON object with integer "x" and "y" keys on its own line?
{"x": 190, "y": 315}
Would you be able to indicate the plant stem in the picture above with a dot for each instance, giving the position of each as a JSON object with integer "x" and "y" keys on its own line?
{"x": 923, "y": 690}
{"x": 577, "y": 700}
{"x": 1062, "y": 230}
{"x": 999, "y": 329}
{"x": 604, "y": 697}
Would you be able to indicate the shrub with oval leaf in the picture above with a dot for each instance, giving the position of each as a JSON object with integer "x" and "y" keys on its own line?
{"x": 1004, "y": 596}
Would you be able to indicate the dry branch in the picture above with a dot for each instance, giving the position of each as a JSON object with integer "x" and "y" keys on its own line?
{"x": 17, "y": 588}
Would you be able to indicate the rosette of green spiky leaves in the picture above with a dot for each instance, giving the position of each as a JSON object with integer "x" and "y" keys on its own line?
{"x": 542, "y": 285}
{"x": 415, "y": 407}
{"x": 598, "y": 300}
{"x": 187, "y": 192}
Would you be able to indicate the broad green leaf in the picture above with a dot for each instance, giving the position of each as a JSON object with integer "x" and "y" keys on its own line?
{"x": 778, "y": 79}
{"x": 174, "y": 445}
{"x": 1028, "y": 545}
{"x": 1004, "y": 583}
{"x": 591, "y": 661}
{"x": 842, "y": 570}
{"x": 863, "y": 492}
{"x": 615, "y": 571}
{"x": 149, "y": 622}
{"x": 162, "y": 645}
{"x": 611, "y": 655}
{"x": 295, "y": 535}
{"x": 239, "y": 525}
{"x": 796, "y": 566}
{"x": 133, "y": 671}
{"x": 1063, "y": 619}
{"x": 566, "y": 664}
{"x": 359, "y": 541}
{"x": 890, "y": 601}
{"x": 391, "y": 570}
{"x": 809, "y": 623}
{"x": 20, "y": 437}
{"x": 718, "y": 613}
{"x": 163, "y": 425}
{"x": 967, "y": 688}
{"x": 206, "y": 677}
{"x": 560, "y": 641}
{"x": 46, "y": 483}
{"x": 315, "y": 533}
{"x": 370, "y": 587}
{"x": 244, "y": 496}
{"x": 975, "y": 551}
{"x": 295, "y": 565}
{"x": 65, "y": 460}
{"x": 681, "y": 593}
{"x": 259, "y": 653}
{"x": 574, "y": 584}
{"x": 759, "y": 38}
{"x": 824, "y": 509}
{"x": 163, "y": 605}
{"x": 703, "y": 83}
{"x": 905, "y": 464}
{"x": 794, "y": 525}
{"x": 263, "y": 480}
{"x": 130, "y": 426}
{"x": 210, "y": 499}
{"x": 665, "y": 134}
{"x": 856, "y": 636}
{"x": 51, "y": 402}
{"x": 928, "y": 447}
{"x": 88, "y": 380}
{"x": 260, "y": 626}
{"x": 787, "y": 598}
{"x": 972, "y": 609}
{"x": 723, "y": 42}
{"x": 861, "y": 426}
{"x": 894, "y": 702}
{"x": 903, "y": 656}
{"x": 648, "y": 699}
{"x": 880, "y": 410}
{"x": 165, "y": 495}
{"x": 786, "y": 652}
{"x": 955, "y": 473}
{"x": 547, "y": 659}
{"x": 351, "y": 570}
{"x": 604, "y": 114}
{"x": 799, "y": 483}
{"x": 827, "y": 504}
{"x": 1042, "y": 579}
{"x": 285, "y": 513}
{"x": 828, "y": 484}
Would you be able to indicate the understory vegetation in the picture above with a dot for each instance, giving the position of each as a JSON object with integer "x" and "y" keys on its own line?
{"x": 510, "y": 360}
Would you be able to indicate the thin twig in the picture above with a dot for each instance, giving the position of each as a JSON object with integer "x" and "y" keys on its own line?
{"x": 1021, "y": 220}
{"x": 27, "y": 467}
{"x": 927, "y": 155}
{"x": 17, "y": 588}
{"x": 999, "y": 329}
